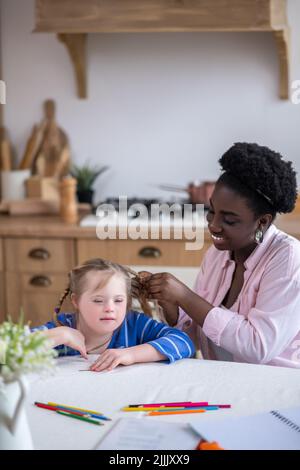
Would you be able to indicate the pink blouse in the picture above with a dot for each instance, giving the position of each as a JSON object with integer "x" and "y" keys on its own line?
{"x": 263, "y": 325}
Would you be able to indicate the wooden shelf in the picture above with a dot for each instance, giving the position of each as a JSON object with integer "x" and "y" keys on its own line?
{"x": 76, "y": 46}
{"x": 73, "y": 19}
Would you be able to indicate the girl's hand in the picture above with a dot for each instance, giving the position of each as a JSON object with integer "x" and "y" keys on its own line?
{"x": 75, "y": 339}
{"x": 111, "y": 358}
{"x": 68, "y": 336}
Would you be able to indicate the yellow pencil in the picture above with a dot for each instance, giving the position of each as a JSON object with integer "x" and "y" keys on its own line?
{"x": 76, "y": 409}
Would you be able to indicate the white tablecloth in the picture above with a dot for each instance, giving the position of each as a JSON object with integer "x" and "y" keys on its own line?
{"x": 248, "y": 388}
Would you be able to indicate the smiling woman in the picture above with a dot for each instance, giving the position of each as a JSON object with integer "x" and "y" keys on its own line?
{"x": 246, "y": 302}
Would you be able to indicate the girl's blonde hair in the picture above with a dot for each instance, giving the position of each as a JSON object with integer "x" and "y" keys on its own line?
{"x": 77, "y": 282}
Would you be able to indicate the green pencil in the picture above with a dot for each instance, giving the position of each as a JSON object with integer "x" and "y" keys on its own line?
{"x": 82, "y": 418}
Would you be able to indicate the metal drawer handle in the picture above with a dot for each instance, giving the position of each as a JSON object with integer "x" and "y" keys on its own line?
{"x": 39, "y": 253}
{"x": 40, "y": 281}
{"x": 150, "y": 252}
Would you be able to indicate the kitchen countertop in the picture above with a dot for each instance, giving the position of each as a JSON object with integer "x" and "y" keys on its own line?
{"x": 54, "y": 227}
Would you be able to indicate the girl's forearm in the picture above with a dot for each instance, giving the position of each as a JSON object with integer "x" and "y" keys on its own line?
{"x": 195, "y": 306}
{"x": 146, "y": 353}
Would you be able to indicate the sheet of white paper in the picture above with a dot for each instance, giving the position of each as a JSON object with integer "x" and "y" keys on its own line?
{"x": 144, "y": 433}
{"x": 259, "y": 432}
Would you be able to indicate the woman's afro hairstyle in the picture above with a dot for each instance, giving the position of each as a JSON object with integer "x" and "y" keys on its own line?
{"x": 252, "y": 171}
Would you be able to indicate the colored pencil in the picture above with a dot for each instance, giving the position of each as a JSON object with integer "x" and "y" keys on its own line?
{"x": 76, "y": 409}
{"x": 207, "y": 408}
{"x": 172, "y": 404}
{"x": 222, "y": 406}
{"x": 180, "y": 412}
{"x": 43, "y": 405}
{"x": 78, "y": 413}
{"x": 151, "y": 408}
{"x": 54, "y": 408}
{"x": 169, "y": 408}
{"x": 81, "y": 418}
{"x": 69, "y": 410}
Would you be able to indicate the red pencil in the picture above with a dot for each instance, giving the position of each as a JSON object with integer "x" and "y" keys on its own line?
{"x": 55, "y": 408}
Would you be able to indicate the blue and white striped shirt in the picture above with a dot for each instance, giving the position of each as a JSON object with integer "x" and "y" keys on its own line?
{"x": 137, "y": 328}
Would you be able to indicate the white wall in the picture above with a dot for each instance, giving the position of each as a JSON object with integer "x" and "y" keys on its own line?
{"x": 160, "y": 107}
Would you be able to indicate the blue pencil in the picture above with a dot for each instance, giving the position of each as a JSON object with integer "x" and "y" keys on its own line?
{"x": 64, "y": 408}
{"x": 208, "y": 408}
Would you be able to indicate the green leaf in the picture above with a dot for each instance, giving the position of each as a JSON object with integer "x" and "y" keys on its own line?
{"x": 86, "y": 175}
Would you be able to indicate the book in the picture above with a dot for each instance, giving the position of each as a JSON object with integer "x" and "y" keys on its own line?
{"x": 146, "y": 434}
{"x": 275, "y": 430}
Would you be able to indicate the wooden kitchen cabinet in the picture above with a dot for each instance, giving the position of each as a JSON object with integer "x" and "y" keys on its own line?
{"x": 37, "y": 294}
{"x": 2, "y": 297}
{"x": 2, "y": 290}
{"x": 37, "y": 254}
{"x": 141, "y": 252}
{"x": 36, "y": 276}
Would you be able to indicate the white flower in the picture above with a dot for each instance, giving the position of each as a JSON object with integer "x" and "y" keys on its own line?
{"x": 3, "y": 348}
{"x": 22, "y": 351}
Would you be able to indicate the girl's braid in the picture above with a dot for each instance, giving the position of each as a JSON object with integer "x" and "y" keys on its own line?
{"x": 61, "y": 301}
{"x": 143, "y": 294}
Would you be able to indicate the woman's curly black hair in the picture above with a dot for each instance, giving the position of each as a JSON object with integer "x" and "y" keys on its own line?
{"x": 259, "y": 174}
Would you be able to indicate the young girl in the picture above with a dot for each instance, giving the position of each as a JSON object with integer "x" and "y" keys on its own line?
{"x": 103, "y": 323}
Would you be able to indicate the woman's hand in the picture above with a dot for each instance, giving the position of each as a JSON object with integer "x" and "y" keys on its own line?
{"x": 169, "y": 292}
{"x": 139, "y": 283}
{"x": 170, "y": 312}
{"x": 112, "y": 358}
{"x": 167, "y": 289}
{"x": 68, "y": 336}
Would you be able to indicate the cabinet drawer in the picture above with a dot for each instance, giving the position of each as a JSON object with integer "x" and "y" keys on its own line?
{"x": 36, "y": 294}
{"x": 34, "y": 255}
{"x": 1, "y": 254}
{"x": 140, "y": 252}
{"x": 2, "y": 298}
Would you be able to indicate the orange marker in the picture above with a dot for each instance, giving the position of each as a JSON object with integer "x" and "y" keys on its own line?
{"x": 204, "y": 445}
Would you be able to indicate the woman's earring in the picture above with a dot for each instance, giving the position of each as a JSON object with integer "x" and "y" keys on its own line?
{"x": 259, "y": 236}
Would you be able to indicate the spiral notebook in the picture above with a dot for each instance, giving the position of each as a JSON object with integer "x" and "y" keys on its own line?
{"x": 266, "y": 431}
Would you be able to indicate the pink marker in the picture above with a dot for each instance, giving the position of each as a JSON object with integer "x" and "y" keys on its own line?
{"x": 180, "y": 403}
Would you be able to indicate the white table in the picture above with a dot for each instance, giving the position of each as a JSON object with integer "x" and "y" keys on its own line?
{"x": 248, "y": 388}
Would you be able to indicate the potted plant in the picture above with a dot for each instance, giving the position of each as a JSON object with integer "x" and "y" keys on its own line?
{"x": 86, "y": 176}
{"x": 21, "y": 352}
